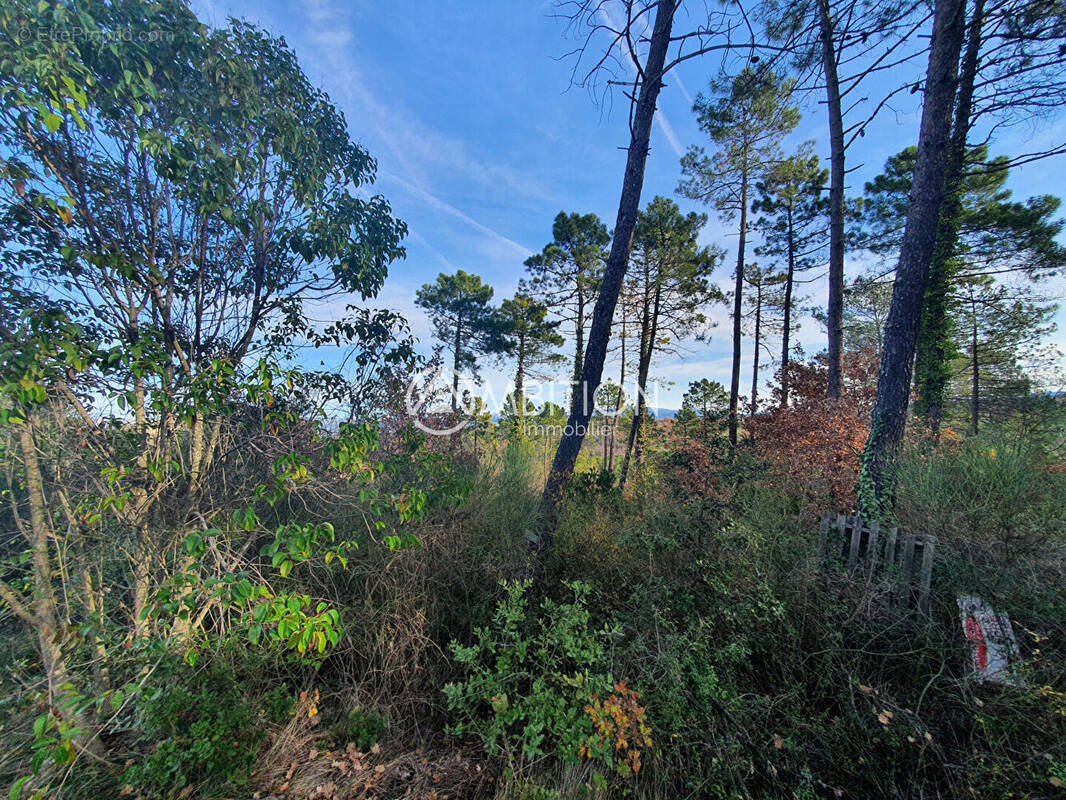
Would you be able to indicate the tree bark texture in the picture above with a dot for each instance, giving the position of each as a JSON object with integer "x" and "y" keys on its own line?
{"x": 876, "y": 480}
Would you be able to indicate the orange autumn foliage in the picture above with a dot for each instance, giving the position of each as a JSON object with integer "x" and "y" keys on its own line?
{"x": 812, "y": 446}
{"x": 619, "y": 724}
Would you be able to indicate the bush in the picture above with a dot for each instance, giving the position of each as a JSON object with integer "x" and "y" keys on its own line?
{"x": 207, "y": 726}
{"x": 538, "y": 687}
{"x": 987, "y": 491}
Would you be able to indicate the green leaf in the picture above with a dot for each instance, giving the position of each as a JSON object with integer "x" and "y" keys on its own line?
{"x": 16, "y": 787}
{"x": 194, "y": 545}
{"x": 40, "y": 725}
{"x": 51, "y": 121}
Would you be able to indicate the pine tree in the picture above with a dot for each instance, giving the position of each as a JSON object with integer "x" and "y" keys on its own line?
{"x": 529, "y": 338}
{"x": 565, "y": 276}
{"x": 794, "y": 212}
{"x": 669, "y": 278}
{"x": 458, "y": 306}
{"x": 745, "y": 121}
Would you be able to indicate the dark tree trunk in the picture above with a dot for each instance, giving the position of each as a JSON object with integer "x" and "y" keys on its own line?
{"x": 600, "y": 331}
{"x": 455, "y": 363}
{"x": 579, "y": 336}
{"x": 975, "y": 384}
{"x": 649, "y": 330}
{"x": 755, "y": 353}
{"x": 931, "y": 367}
{"x": 835, "y": 309}
{"x": 738, "y": 305}
{"x": 789, "y": 277}
{"x": 876, "y": 482}
{"x": 520, "y": 387}
{"x": 621, "y": 389}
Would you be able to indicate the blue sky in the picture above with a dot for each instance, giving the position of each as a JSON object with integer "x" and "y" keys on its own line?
{"x": 480, "y": 141}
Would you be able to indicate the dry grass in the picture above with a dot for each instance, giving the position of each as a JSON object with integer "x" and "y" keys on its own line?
{"x": 301, "y": 763}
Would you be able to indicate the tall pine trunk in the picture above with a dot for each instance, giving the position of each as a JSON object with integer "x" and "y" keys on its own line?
{"x": 877, "y": 479}
{"x": 519, "y": 386}
{"x": 931, "y": 365}
{"x": 738, "y": 305}
{"x": 789, "y": 277}
{"x": 579, "y": 335}
{"x": 455, "y": 363}
{"x": 649, "y": 332}
{"x": 614, "y": 271}
{"x": 835, "y": 309}
{"x": 755, "y": 352}
{"x": 975, "y": 384}
{"x": 621, "y": 389}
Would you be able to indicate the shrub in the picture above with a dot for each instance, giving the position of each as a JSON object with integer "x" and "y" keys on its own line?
{"x": 361, "y": 726}
{"x": 538, "y": 687}
{"x": 989, "y": 491}
{"x": 812, "y": 446}
{"x": 207, "y": 725}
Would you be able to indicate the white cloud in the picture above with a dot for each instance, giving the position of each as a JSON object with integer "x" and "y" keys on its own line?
{"x": 436, "y": 203}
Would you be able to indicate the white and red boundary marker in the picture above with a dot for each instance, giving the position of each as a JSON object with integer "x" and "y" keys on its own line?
{"x": 992, "y": 644}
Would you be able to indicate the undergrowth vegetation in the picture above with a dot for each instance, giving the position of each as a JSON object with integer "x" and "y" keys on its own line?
{"x": 661, "y": 653}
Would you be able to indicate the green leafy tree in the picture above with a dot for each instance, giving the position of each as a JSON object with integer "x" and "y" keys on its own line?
{"x": 669, "y": 280}
{"x": 531, "y": 339}
{"x": 704, "y": 406}
{"x": 1001, "y": 336}
{"x": 745, "y": 119}
{"x": 172, "y": 198}
{"x": 767, "y": 308}
{"x": 997, "y": 239}
{"x": 565, "y": 275}
{"x": 458, "y": 306}
{"x": 610, "y": 398}
{"x": 866, "y": 302}
{"x": 793, "y": 210}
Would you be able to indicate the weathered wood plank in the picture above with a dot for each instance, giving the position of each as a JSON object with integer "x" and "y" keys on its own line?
{"x": 856, "y": 541}
{"x": 926, "y": 575}
{"x": 890, "y": 548}
{"x": 906, "y": 577}
{"x": 871, "y": 547}
{"x": 905, "y": 559}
